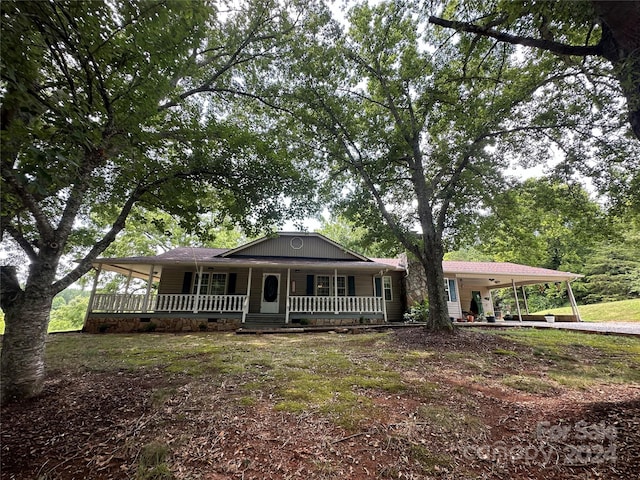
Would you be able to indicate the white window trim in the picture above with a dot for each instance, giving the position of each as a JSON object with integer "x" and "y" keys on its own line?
{"x": 332, "y": 283}
{"x": 384, "y": 288}
{"x": 447, "y": 282}
{"x": 209, "y": 283}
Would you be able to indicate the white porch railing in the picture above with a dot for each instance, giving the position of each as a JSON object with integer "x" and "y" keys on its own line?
{"x": 310, "y": 304}
{"x": 119, "y": 303}
{"x": 130, "y": 303}
{"x": 140, "y": 303}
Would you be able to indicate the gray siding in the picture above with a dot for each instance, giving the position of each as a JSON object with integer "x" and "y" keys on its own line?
{"x": 312, "y": 247}
{"x": 172, "y": 280}
{"x": 173, "y": 277}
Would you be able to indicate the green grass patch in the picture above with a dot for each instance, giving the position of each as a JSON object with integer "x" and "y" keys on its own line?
{"x": 445, "y": 419}
{"x": 578, "y": 360}
{"x": 506, "y": 353}
{"x": 621, "y": 311}
{"x": 151, "y": 462}
{"x": 529, "y": 384}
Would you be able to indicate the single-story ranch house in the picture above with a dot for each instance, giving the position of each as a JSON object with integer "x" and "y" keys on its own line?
{"x": 289, "y": 279}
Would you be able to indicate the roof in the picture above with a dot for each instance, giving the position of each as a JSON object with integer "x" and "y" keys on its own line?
{"x": 493, "y": 274}
{"x": 503, "y": 274}
{"x": 499, "y": 268}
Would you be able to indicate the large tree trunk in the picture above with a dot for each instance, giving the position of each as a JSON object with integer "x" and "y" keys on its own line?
{"x": 432, "y": 264}
{"x": 22, "y": 358}
{"x": 26, "y": 322}
{"x": 621, "y": 45}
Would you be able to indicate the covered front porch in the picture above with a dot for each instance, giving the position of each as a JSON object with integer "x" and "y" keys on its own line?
{"x": 244, "y": 296}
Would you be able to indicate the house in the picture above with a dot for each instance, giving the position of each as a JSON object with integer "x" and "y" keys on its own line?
{"x": 469, "y": 286}
{"x": 281, "y": 280}
{"x": 286, "y": 279}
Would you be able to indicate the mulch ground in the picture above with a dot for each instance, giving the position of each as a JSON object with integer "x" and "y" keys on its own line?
{"x": 94, "y": 425}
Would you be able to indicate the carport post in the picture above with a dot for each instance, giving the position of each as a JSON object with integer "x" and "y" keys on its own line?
{"x": 515, "y": 293}
{"x": 524, "y": 297}
{"x": 572, "y": 299}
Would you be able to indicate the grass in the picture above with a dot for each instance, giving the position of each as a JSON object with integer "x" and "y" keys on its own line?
{"x": 412, "y": 402}
{"x": 333, "y": 375}
{"x": 578, "y": 360}
{"x": 622, "y": 311}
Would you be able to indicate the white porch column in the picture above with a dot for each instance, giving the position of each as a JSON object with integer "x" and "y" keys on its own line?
{"x": 384, "y": 304}
{"x": 149, "y": 285}
{"x": 93, "y": 293}
{"x": 335, "y": 291}
{"x": 572, "y": 299}
{"x": 524, "y": 297}
{"x": 245, "y": 310}
{"x": 288, "y": 306}
{"x": 515, "y": 293}
{"x": 196, "y": 301}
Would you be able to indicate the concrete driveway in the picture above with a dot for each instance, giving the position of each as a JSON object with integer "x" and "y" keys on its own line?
{"x": 616, "y": 328}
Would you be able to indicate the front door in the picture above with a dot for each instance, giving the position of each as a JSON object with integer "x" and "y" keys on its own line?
{"x": 270, "y": 293}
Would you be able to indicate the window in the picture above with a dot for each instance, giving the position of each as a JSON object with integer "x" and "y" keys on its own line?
{"x": 450, "y": 290}
{"x": 323, "y": 285}
{"x": 204, "y": 283}
{"x": 386, "y": 286}
{"x": 211, "y": 284}
{"x": 218, "y": 284}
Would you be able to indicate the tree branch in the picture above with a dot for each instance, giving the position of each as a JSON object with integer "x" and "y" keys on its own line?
{"x": 44, "y": 226}
{"x": 548, "y": 45}
{"x": 20, "y": 240}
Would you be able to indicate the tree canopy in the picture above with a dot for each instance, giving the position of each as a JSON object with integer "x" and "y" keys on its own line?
{"x": 591, "y": 30}
{"x": 419, "y": 127}
{"x": 111, "y": 105}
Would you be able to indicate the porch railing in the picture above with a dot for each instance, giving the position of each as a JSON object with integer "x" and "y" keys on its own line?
{"x": 169, "y": 303}
{"x": 137, "y": 303}
{"x": 311, "y": 304}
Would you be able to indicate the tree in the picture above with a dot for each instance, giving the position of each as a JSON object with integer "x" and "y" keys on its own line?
{"x": 420, "y": 134}
{"x": 597, "y": 28}
{"x": 599, "y": 38}
{"x": 109, "y": 105}
{"x": 544, "y": 222}
{"x": 363, "y": 240}
{"x": 612, "y": 271}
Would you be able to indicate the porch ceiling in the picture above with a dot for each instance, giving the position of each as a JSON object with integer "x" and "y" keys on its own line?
{"x": 136, "y": 270}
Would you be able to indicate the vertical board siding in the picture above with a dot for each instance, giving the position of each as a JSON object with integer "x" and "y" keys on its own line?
{"x": 312, "y": 247}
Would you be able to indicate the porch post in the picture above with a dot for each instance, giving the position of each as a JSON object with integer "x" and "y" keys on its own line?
{"x": 287, "y": 308}
{"x": 196, "y": 300}
{"x": 384, "y": 305}
{"x": 93, "y": 293}
{"x": 572, "y": 299}
{"x": 524, "y": 296}
{"x": 245, "y": 309}
{"x": 335, "y": 291}
{"x": 149, "y": 284}
{"x": 515, "y": 293}
{"x": 126, "y": 287}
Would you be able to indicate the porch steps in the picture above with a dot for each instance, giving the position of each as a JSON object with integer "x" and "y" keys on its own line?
{"x": 263, "y": 322}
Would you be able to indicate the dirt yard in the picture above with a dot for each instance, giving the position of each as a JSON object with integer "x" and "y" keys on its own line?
{"x": 459, "y": 407}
